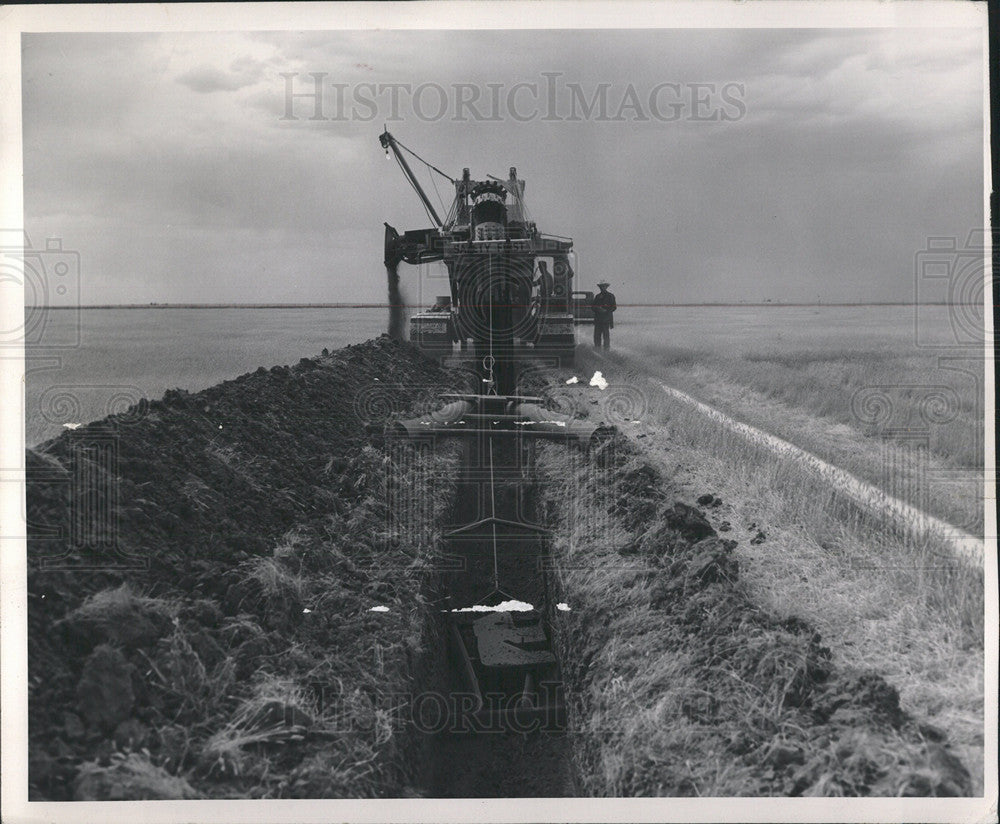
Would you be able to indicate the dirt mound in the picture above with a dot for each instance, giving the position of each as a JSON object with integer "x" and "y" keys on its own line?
{"x": 200, "y": 573}
{"x": 681, "y": 685}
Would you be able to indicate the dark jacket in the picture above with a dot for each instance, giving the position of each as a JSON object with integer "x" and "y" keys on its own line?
{"x": 604, "y": 307}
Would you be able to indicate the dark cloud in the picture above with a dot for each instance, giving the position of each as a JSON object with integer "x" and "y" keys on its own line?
{"x": 242, "y": 73}
{"x": 165, "y": 161}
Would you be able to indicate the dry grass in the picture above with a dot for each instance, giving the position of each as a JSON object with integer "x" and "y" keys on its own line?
{"x": 277, "y": 710}
{"x": 881, "y": 601}
{"x": 776, "y": 491}
{"x": 689, "y": 693}
{"x": 848, "y": 385}
{"x": 897, "y": 603}
{"x": 197, "y": 689}
{"x": 130, "y": 777}
{"x": 826, "y": 382}
{"x": 121, "y": 615}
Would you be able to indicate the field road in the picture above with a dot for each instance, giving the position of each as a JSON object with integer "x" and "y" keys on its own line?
{"x": 893, "y": 511}
{"x": 967, "y": 547}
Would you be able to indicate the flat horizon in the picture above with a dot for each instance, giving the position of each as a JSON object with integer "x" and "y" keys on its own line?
{"x": 362, "y": 305}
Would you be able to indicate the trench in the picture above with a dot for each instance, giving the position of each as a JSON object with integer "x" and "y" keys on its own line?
{"x": 465, "y": 756}
{"x": 690, "y": 689}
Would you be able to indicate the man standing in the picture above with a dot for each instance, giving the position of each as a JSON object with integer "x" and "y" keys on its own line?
{"x": 604, "y": 307}
{"x": 544, "y": 279}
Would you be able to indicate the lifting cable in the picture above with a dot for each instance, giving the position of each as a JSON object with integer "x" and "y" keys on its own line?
{"x": 490, "y": 362}
{"x": 492, "y": 390}
{"x": 429, "y": 165}
{"x": 438, "y": 193}
{"x": 493, "y": 514}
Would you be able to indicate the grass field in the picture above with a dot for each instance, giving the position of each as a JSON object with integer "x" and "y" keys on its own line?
{"x": 849, "y": 384}
{"x": 684, "y": 674}
{"x": 895, "y": 602}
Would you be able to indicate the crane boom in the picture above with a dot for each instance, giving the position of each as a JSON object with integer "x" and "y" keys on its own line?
{"x": 389, "y": 142}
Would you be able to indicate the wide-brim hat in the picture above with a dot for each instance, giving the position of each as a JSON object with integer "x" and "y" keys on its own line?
{"x": 603, "y": 283}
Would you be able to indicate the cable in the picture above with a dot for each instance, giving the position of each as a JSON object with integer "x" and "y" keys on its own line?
{"x": 493, "y": 514}
{"x": 440, "y": 199}
{"x": 496, "y": 552}
{"x": 429, "y": 165}
{"x": 493, "y": 500}
{"x": 493, "y": 360}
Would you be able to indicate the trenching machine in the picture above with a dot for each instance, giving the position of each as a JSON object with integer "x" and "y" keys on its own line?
{"x": 510, "y": 299}
{"x": 510, "y": 285}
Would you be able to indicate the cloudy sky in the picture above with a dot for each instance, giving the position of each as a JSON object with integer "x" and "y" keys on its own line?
{"x": 722, "y": 165}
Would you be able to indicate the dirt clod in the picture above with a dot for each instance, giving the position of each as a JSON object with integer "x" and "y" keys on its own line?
{"x": 689, "y": 522}
{"x": 781, "y": 757}
{"x": 712, "y": 560}
{"x": 104, "y": 692}
{"x": 119, "y": 616}
{"x": 130, "y": 734}
{"x": 72, "y": 726}
{"x": 129, "y": 778}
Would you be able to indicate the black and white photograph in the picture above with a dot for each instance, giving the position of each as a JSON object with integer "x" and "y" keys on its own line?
{"x": 503, "y": 411}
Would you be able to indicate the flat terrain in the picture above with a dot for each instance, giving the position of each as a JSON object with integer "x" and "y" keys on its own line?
{"x": 843, "y": 381}
{"x": 114, "y": 357}
{"x": 874, "y": 390}
{"x": 252, "y": 535}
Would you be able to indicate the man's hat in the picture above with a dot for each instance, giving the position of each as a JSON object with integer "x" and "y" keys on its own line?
{"x": 603, "y": 283}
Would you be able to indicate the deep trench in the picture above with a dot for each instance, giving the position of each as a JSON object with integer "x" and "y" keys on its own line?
{"x": 463, "y": 759}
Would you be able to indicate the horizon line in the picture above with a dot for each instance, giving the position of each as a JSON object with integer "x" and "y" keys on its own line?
{"x": 359, "y": 305}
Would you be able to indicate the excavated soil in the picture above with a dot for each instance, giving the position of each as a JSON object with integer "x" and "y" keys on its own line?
{"x": 201, "y": 570}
